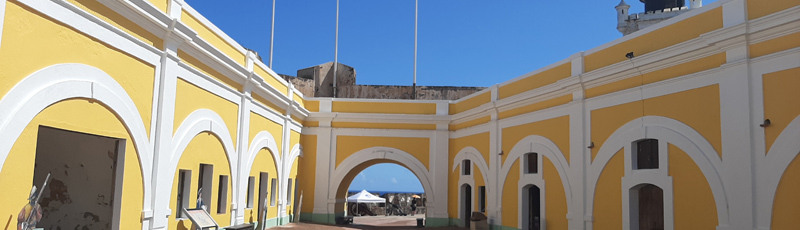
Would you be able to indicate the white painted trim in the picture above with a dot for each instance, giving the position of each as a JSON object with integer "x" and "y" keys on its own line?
{"x": 670, "y": 131}
{"x": 475, "y": 156}
{"x": 465, "y": 181}
{"x": 2, "y": 19}
{"x": 545, "y": 148}
{"x": 770, "y": 171}
{"x": 524, "y": 184}
{"x": 56, "y": 83}
{"x": 208, "y": 84}
{"x": 374, "y": 153}
{"x": 76, "y": 18}
{"x": 659, "y": 177}
{"x": 262, "y": 140}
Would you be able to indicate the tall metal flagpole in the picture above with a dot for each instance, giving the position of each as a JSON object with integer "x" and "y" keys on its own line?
{"x": 336, "y": 51}
{"x": 272, "y": 34}
{"x": 416, "y": 16}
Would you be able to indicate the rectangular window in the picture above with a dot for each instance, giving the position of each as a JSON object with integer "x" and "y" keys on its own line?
{"x": 184, "y": 187}
{"x": 482, "y": 198}
{"x": 263, "y": 190}
{"x": 466, "y": 164}
{"x": 251, "y": 183}
{"x": 222, "y": 194}
{"x": 272, "y": 192}
{"x": 289, "y": 193}
{"x": 532, "y": 163}
{"x": 647, "y": 154}
{"x": 204, "y": 185}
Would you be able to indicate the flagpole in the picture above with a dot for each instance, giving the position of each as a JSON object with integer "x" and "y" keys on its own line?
{"x": 272, "y": 34}
{"x": 416, "y": 16}
{"x": 336, "y": 51}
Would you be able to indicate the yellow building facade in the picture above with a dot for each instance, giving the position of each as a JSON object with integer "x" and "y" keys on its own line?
{"x": 143, "y": 108}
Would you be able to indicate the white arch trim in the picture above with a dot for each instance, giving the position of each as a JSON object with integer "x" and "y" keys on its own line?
{"x": 59, "y": 82}
{"x": 262, "y": 140}
{"x": 387, "y": 153}
{"x": 472, "y": 154}
{"x": 545, "y": 147}
{"x": 199, "y": 121}
{"x": 297, "y": 151}
{"x": 672, "y": 131}
{"x": 771, "y": 169}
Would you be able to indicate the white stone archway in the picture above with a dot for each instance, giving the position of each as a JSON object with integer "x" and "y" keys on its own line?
{"x": 382, "y": 153}
{"x": 770, "y": 171}
{"x": 60, "y": 82}
{"x": 544, "y": 147}
{"x": 671, "y": 131}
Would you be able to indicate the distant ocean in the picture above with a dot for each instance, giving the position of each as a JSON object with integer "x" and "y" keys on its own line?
{"x": 384, "y": 192}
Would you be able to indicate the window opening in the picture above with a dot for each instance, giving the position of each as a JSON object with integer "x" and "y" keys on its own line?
{"x": 482, "y": 198}
{"x": 251, "y": 182}
{"x": 204, "y": 187}
{"x": 531, "y": 163}
{"x": 184, "y": 189}
{"x": 222, "y": 194}
{"x": 289, "y": 193}
{"x": 647, "y": 154}
{"x": 466, "y": 164}
{"x": 263, "y": 190}
{"x": 272, "y": 192}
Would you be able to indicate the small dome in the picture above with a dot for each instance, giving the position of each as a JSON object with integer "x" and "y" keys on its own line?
{"x": 622, "y": 3}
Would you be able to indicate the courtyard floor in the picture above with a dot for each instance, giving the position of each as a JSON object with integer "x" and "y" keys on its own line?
{"x": 368, "y": 222}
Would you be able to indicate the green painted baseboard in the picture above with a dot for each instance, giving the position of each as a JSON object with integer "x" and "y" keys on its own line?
{"x": 437, "y": 222}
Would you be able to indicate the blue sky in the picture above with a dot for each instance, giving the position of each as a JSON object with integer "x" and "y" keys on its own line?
{"x": 461, "y": 42}
{"x": 388, "y": 178}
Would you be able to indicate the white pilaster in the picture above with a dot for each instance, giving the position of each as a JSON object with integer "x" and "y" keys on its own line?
{"x": 2, "y": 19}
{"x": 439, "y": 165}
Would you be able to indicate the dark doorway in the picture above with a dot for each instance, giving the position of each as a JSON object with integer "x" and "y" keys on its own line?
{"x": 467, "y": 203}
{"x": 83, "y": 190}
{"x": 534, "y": 208}
{"x": 651, "y": 208}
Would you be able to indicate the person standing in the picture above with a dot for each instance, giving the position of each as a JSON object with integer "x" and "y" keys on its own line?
{"x": 413, "y": 206}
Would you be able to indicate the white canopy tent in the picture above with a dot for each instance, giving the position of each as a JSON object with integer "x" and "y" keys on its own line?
{"x": 365, "y": 197}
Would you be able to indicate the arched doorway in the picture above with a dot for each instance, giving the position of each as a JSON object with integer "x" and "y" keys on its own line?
{"x": 647, "y": 207}
{"x": 532, "y": 207}
{"x": 466, "y": 203}
{"x": 350, "y": 167}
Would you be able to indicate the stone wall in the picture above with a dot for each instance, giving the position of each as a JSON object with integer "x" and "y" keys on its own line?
{"x": 406, "y": 92}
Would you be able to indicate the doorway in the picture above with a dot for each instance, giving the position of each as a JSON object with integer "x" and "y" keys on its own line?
{"x": 84, "y": 191}
{"x": 466, "y": 203}
{"x": 534, "y": 208}
{"x": 650, "y": 208}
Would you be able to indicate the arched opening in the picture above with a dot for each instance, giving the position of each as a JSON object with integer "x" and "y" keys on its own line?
{"x": 466, "y": 203}
{"x": 647, "y": 207}
{"x": 532, "y": 207}
{"x": 396, "y": 195}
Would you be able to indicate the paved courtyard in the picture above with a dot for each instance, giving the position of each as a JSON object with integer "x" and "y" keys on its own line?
{"x": 368, "y": 222}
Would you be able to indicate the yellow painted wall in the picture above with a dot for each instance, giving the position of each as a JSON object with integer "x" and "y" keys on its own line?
{"x": 661, "y": 38}
{"x": 290, "y": 208}
{"x": 546, "y": 77}
{"x": 471, "y": 103}
{"x": 306, "y": 176}
{"x": 271, "y": 80}
{"x": 608, "y": 194}
{"x": 555, "y": 129}
{"x": 478, "y": 176}
{"x": 416, "y": 146}
{"x": 775, "y": 45}
{"x": 695, "y": 66}
{"x": 211, "y": 72}
{"x": 787, "y": 204}
{"x": 264, "y": 101}
{"x": 80, "y": 116}
{"x": 555, "y": 197}
{"x": 111, "y": 17}
{"x": 383, "y": 107}
{"x": 262, "y": 163}
{"x": 479, "y": 141}
{"x": 27, "y": 32}
{"x": 509, "y": 198}
{"x": 698, "y": 108}
{"x": 757, "y": 9}
{"x": 778, "y": 88}
{"x": 212, "y": 38}
{"x": 471, "y": 123}
{"x": 205, "y": 148}
{"x": 190, "y": 98}
{"x": 693, "y": 200}
{"x": 160, "y": 4}
{"x": 452, "y": 192}
{"x": 536, "y": 106}
{"x": 312, "y": 106}
{"x": 359, "y": 125}
{"x": 259, "y": 124}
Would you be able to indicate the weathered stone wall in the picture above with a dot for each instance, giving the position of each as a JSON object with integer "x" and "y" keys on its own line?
{"x": 406, "y": 92}
{"x": 305, "y": 86}
{"x": 322, "y": 75}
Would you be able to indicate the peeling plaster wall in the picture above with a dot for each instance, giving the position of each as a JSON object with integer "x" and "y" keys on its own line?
{"x": 80, "y": 193}
{"x": 406, "y": 92}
